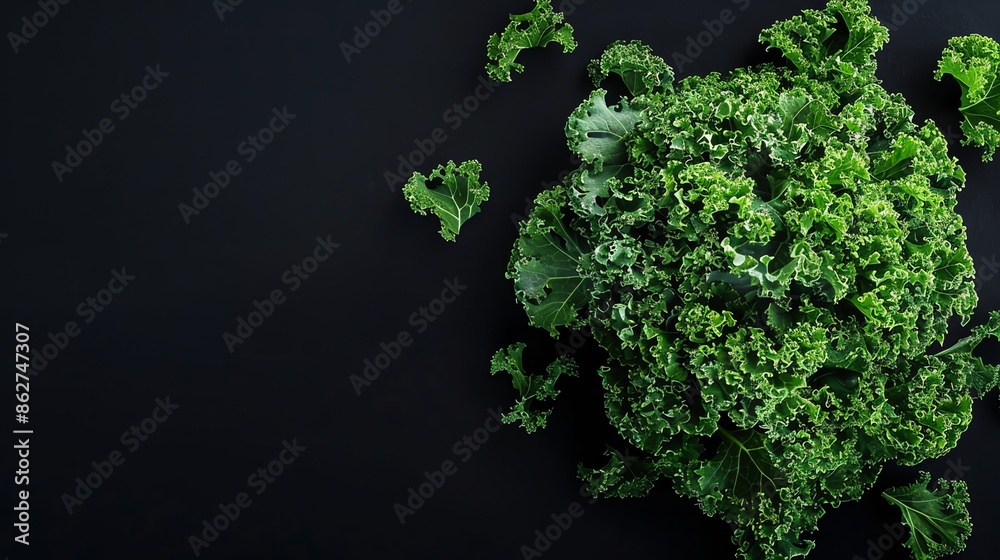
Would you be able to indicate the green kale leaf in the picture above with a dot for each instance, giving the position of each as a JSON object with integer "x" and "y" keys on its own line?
{"x": 974, "y": 61}
{"x": 938, "y": 519}
{"x": 537, "y": 28}
{"x": 640, "y": 69}
{"x": 456, "y": 199}
{"x": 533, "y": 389}
{"x": 548, "y": 266}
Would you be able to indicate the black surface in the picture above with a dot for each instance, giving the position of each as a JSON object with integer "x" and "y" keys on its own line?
{"x": 324, "y": 176}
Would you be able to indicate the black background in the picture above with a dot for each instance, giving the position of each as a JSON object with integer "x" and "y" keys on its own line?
{"x": 324, "y": 176}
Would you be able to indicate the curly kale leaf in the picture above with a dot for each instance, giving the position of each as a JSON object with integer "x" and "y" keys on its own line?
{"x": 837, "y": 44}
{"x": 741, "y": 485}
{"x": 533, "y": 389}
{"x": 637, "y": 66}
{"x": 548, "y": 267}
{"x": 974, "y": 61}
{"x": 456, "y": 199}
{"x": 537, "y": 28}
{"x": 625, "y": 476}
{"x": 742, "y": 468}
{"x": 597, "y": 133}
{"x": 969, "y": 369}
{"x": 938, "y": 519}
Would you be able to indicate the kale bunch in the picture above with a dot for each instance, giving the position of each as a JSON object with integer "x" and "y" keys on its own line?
{"x": 767, "y": 259}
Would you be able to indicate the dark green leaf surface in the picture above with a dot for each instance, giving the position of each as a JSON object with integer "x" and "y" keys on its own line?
{"x": 938, "y": 519}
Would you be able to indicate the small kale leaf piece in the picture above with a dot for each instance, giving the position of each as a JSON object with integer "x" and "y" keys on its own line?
{"x": 532, "y": 388}
{"x": 974, "y": 61}
{"x": 454, "y": 200}
{"x": 537, "y": 28}
{"x": 938, "y": 519}
{"x": 624, "y": 476}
